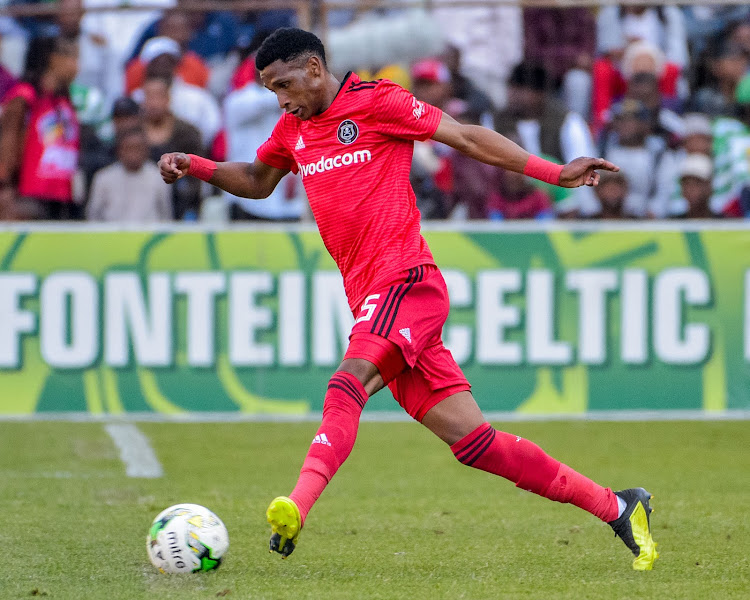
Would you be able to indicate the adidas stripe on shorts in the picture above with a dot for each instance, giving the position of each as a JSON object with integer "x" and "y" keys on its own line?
{"x": 410, "y": 312}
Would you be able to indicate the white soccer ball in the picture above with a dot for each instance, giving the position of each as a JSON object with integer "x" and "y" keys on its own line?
{"x": 186, "y": 538}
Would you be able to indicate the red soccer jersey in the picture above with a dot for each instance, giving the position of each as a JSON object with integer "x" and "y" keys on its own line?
{"x": 355, "y": 159}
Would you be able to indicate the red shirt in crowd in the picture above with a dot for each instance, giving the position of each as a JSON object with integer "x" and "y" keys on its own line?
{"x": 191, "y": 69}
{"x": 534, "y": 204}
{"x": 609, "y": 85}
{"x": 355, "y": 159}
{"x": 50, "y": 150}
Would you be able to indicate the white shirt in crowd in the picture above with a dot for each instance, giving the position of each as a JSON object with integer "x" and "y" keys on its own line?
{"x": 129, "y": 197}
{"x": 650, "y": 172}
{"x": 668, "y": 34}
{"x": 103, "y": 66}
{"x": 575, "y": 141}
{"x": 250, "y": 115}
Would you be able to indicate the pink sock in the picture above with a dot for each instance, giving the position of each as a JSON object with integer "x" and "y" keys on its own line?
{"x": 529, "y": 467}
{"x": 344, "y": 401}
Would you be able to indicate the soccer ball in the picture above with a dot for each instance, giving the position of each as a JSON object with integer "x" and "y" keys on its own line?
{"x": 186, "y": 538}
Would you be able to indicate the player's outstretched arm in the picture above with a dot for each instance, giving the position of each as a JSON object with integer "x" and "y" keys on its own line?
{"x": 247, "y": 180}
{"x": 494, "y": 149}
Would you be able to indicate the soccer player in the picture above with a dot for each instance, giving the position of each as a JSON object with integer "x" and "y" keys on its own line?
{"x": 352, "y": 142}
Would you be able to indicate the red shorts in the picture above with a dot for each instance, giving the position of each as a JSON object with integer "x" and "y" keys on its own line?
{"x": 409, "y": 313}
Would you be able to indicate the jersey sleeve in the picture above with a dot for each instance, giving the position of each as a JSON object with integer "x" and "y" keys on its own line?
{"x": 400, "y": 114}
{"x": 274, "y": 151}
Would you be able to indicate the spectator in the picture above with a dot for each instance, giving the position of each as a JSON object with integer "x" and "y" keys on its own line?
{"x": 188, "y": 66}
{"x": 245, "y": 72}
{"x": 189, "y": 102}
{"x": 431, "y": 82}
{"x": 697, "y": 134}
{"x": 251, "y": 113}
{"x": 564, "y": 41}
{"x": 211, "y": 36}
{"x": 544, "y": 125}
{"x": 99, "y": 64}
{"x": 518, "y": 198}
{"x": 98, "y": 151}
{"x": 111, "y": 34}
{"x": 165, "y": 132}
{"x": 126, "y": 114}
{"x": 473, "y": 181}
{"x": 726, "y": 65}
{"x": 643, "y": 157}
{"x": 697, "y": 138}
{"x": 431, "y": 175}
{"x": 704, "y": 23}
{"x": 611, "y": 79}
{"x": 612, "y": 192}
{"x": 696, "y": 172}
{"x": 464, "y": 89}
{"x": 667, "y": 123}
{"x": 131, "y": 190}
{"x": 39, "y": 140}
{"x": 95, "y": 54}
{"x": 732, "y": 158}
{"x": 662, "y": 27}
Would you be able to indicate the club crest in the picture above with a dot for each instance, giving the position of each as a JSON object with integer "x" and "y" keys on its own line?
{"x": 348, "y": 132}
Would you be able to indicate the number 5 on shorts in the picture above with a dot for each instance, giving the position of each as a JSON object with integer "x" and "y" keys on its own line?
{"x": 367, "y": 308}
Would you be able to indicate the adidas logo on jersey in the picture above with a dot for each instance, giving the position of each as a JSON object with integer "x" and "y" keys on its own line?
{"x": 321, "y": 439}
{"x": 406, "y": 332}
{"x": 300, "y": 144}
{"x": 335, "y": 162}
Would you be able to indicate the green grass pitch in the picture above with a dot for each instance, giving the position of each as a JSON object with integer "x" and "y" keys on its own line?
{"x": 402, "y": 519}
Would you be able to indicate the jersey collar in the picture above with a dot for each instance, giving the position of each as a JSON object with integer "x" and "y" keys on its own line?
{"x": 344, "y": 84}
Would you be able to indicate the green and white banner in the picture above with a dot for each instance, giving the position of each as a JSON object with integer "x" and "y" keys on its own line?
{"x": 253, "y": 321}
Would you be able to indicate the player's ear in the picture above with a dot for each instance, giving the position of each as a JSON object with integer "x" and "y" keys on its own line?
{"x": 314, "y": 66}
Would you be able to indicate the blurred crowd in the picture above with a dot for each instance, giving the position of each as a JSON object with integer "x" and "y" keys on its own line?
{"x": 90, "y": 101}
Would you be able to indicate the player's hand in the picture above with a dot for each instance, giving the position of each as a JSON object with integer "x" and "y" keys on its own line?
{"x": 173, "y": 166}
{"x": 582, "y": 171}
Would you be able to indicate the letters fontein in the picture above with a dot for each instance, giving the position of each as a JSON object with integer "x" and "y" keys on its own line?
{"x": 80, "y": 320}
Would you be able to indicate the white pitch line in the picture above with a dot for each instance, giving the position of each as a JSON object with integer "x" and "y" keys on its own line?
{"x": 135, "y": 451}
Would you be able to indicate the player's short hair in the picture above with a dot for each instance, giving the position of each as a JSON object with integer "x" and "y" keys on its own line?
{"x": 288, "y": 43}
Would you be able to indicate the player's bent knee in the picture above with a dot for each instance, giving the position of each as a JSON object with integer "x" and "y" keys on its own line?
{"x": 454, "y": 418}
{"x": 364, "y": 370}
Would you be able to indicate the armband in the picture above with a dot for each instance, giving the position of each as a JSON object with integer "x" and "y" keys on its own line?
{"x": 543, "y": 170}
{"x": 201, "y": 168}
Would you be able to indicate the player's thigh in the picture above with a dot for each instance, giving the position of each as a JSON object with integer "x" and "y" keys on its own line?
{"x": 434, "y": 378}
{"x": 454, "y": 417}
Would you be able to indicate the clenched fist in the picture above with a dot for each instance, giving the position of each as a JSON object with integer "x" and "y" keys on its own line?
{"x": 173, "y": 166}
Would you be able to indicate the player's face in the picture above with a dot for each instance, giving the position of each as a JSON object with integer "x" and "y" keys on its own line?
{"x": 298, "y": 85}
